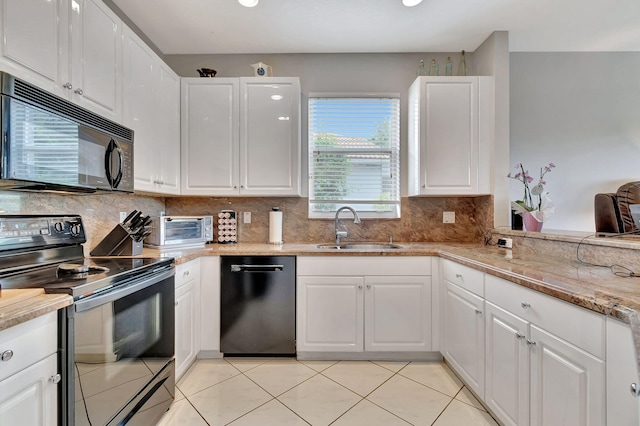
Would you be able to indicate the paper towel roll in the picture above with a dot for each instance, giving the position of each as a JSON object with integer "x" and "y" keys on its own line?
{"x": 275, "y": 226}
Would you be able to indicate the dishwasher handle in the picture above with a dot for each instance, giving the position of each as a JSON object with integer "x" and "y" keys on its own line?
{"x": 257, "y": 268}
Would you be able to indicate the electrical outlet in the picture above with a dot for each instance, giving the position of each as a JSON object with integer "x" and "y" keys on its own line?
{"x": 246, "y": 218}
{"x": 448, "y": 217}
{"x": 123, "y": 216}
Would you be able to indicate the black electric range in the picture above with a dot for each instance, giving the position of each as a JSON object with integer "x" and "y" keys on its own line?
{"x": 120, "y": 326}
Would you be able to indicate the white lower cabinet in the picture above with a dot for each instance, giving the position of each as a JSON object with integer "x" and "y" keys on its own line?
{"x": 623, "y": 405}
{"x": 187, "y": 304}
{"x": 464, "y": 335}
{"x": 507, "y": 366}
{"x": 544, "y": 360}
{"x": 28, "y": 378}
{"x": 567, "y": 383}
{"x": 363, "y": 304}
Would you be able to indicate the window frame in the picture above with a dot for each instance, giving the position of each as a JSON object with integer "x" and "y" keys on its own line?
{"x": 395, "y": 211}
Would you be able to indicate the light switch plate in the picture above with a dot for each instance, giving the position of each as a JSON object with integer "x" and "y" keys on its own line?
{"x": 246, "y": 218}
{"x": 448, "y": 217}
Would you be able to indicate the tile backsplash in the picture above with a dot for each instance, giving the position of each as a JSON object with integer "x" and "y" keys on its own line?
{"x": 421, "y": 217}
{"x": 100, "y": 213}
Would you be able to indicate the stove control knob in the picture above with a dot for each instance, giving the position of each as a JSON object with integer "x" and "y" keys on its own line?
{"x": 75, "y": 229}
{"x": 58, "y": 226}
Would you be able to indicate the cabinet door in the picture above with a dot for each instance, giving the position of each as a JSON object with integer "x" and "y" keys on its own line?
{"x": 210, "y": 136}
{"x": 464, "y": 335}
{"x": 185, "y": 327}
{"x": 30, "y": 397}
{"x": 96, "y": 58}
{"x": 140, "y": 108}
{"x": 450, "y": 135}
{"x": 330, "y": 314}
{"x": 35, "y": 40}
{"x": 567, "y": 384}
{"x": 397, "y": 314}
{"x": 167, "y": 124}
{"x": 449, "y": 146}
{"x": 507, "y": 366}
{"x": 270, "y": 136}
{"x": 623, "y": 407}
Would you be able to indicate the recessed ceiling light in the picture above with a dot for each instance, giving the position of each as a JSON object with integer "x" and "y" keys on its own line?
{"x": 251, "y": 3}
{"x": 411, "y": 3}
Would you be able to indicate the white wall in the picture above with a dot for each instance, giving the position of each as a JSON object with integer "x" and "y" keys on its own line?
{"x": 582, "y": 112}
{"x": 492, "y": 58}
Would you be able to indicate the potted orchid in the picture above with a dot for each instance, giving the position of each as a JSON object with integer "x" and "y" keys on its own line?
{"x": 535, "y": 205}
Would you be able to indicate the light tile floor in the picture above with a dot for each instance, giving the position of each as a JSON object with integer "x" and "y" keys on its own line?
{"x": 282, "y": 392}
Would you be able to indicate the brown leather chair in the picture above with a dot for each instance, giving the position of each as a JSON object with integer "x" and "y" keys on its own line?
{"x": 612, "y": 212}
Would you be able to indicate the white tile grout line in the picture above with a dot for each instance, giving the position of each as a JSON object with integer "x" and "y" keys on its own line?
{"x": 275, "y": 397}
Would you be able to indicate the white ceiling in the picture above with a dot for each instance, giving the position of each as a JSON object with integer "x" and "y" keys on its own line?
{"x": 344, "y": 26}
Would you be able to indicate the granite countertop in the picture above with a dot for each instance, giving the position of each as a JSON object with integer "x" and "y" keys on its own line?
{"x": 590, "y": 287}
{"x": 18, "y": 306}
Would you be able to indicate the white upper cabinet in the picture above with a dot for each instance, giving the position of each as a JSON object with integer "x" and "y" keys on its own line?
{"x": 241, "y": 136}
{"x": 152, "y": 110}
{"x": 96, "y": 58}
{"x": 69, "y": 48}
{"x": 35, "y": 42}
{"x": 270, "y": 136}
{"x": 210, "y": 135}
{"x": 450, "y": 136}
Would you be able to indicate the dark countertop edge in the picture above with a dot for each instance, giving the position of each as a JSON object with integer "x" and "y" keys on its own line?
{"x": 31, "y": 308}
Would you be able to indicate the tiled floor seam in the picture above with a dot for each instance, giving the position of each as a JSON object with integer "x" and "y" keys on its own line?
{"x": 208, "y": 387}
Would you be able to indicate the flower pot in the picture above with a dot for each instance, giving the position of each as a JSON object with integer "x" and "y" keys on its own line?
{"x": 531, "y": 222}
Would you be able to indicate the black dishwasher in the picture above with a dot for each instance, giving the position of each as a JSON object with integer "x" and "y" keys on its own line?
{"x": 258, "y": 305}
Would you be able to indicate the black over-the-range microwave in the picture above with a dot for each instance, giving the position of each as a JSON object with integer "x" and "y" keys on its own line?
{"x": 51, "y": 144}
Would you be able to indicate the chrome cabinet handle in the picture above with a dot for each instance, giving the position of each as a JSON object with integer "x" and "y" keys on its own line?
{"x": 68, "y": 85}
{"x": 360, "y": 286}
{"x": 6, "y": 355}
{"x": 458, "y": 275}
{"x": 531, "y": 342}
{"x": 369, "y": 286}
{"x": 185, "y": 273}
{"x": 635, "y": 390}
{"x": 424, "y": 185}
{"x": 520, "y": 336}
{"x": 478, "y": 311}
{"x": 525, "y": 305}
{"x": 55, "y": 379}
{"x": 79, "y": 92}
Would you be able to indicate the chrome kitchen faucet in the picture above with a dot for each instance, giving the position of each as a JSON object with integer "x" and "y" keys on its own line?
{"x": 341, "y": 229}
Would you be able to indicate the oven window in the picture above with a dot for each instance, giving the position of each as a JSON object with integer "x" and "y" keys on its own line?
{"x": 120, "y": 346}
{"x": 179, "y": 230}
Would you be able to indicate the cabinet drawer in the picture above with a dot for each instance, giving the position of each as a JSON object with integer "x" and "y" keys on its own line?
{"x": 186, "y": 272}
{"x": 30, "y": 342}
{"x": 576, "y": 325}
{"x": 363, "y": 265}
{"x": 464, "y": 276}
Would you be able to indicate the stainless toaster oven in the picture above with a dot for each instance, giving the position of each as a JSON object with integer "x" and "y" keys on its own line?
{"x": 180, "y": 231}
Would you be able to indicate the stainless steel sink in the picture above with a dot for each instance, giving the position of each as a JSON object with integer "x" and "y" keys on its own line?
{"x": 359, "y": 246}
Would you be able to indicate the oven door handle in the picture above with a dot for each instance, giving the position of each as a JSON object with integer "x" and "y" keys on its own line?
{"x": 120, "y": 292}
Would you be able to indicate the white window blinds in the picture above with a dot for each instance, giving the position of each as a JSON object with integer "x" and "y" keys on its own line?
{"x": 354, "y": 150}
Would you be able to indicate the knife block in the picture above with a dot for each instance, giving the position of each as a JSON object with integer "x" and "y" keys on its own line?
{"x": 118, "y": 242}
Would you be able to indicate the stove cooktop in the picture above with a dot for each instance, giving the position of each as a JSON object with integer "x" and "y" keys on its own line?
{"x": 84, "y": 276}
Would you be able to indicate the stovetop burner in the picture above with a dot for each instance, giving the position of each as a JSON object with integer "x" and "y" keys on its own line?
{"x": 79, "y": 271}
